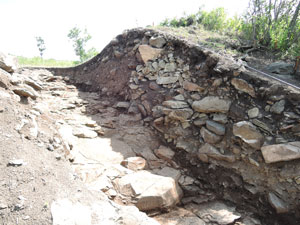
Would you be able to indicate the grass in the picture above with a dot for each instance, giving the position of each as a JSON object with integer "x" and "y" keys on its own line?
{"x": 198, "y": 35}
{"x": 38, "y": 61}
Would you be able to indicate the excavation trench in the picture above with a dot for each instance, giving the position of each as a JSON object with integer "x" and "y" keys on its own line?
{"x": 220, "y": 120}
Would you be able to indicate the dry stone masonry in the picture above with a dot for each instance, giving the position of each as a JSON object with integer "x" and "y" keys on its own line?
{"x": 233, "y": 133}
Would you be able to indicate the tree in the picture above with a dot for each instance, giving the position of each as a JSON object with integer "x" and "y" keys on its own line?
{"x": 41, "y": 45}
{"x": 80, "y": 39}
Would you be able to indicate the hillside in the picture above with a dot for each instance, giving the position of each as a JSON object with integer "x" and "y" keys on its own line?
{"x": 154, "y": 125}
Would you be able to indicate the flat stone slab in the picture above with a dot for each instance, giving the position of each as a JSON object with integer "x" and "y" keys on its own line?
{"x": 248, "y": 133}
{"x": 148, "y": 53}
{"x": 212, "y": 104}
{"x": 151, "y": 191}
{"x": 215, "y": 212}
{"x": 281, "y": 152}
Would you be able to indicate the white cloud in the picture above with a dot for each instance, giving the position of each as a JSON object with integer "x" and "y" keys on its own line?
{"x": 22, "y": 21}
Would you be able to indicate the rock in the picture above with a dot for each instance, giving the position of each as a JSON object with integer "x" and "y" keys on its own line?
{"x": 209, "y": 151}
{"x": 217, "y": 128}
{"x": 166, "y": 80}
{"x": 281, "y": 152}
{"x": 242, "y": 85}
{"x": 148, "y": 53}
{"x": 170, "y": 67}
{"x": 151, "y": 191}
{"x": 209, "y": 137}
{"x": 164, "y": 153}
{"x": 220, "y": 118}
{"x": 84, "y": 132}
{"x": 280, "y": 68}
{"x": 253, "y": 113}
{"x": 211, "y": 104}
{"x": 157, "y": 42}
{"x": 34, "y": 84}
{"x": 4, "y": 79}
{"x": 189, "y": 86}
{"x": 278, "y": 107}
{"x": 153, "y": 86}
{"x": 124, "y": 105}
{"x": 3, "y": 205}
{"x": 7, "y": 63}
{"x": 26, "y": 91}
{"x": 169, "y": 172}
{"x": 215, "y": 212}
{"x": 201, "y": 120}
{"x": 179, "y": 216}
{"x": 16, "y": 162}
{"x": 277, "y": 203}
{"x": 248, "y": 133}
{"x": 181, "y": 115}
{"x": 175, "y": 104}
{"x": 134, "y": 163}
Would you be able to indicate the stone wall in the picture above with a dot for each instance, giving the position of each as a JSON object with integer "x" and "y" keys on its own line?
{"x": 237, "y": 132}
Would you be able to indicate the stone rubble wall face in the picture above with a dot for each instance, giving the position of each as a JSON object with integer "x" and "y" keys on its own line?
{"x": 206, "y": 106}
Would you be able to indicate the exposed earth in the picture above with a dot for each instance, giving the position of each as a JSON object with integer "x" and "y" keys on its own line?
{"x": 153, "y": 130}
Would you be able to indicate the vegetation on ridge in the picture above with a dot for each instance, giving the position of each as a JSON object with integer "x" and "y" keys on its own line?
{"x": 272, "y": 24}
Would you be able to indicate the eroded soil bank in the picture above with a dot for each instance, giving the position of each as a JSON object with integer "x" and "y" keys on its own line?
{"x": 233, "y": 131}
{"x": 152, "y": 124}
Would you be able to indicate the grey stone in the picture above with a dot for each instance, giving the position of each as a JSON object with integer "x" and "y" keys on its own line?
{"x": 215, "y": 212}
{"x": 220, "y": 118}
{"x": 178, "y": 114}
{"x": 253, "y": 113}
{"x": 170, "y": 67}
{"x": 210, "y": 137}
{"x": 281, "y": 152}
{"x": 278, "y": 107}
{"x": 179, "y": 97}
{"x": 217, "y": 128}
{"x": 212, "y": 104}
{"x": 175, "y": 104}
{"x": 124, "y": 105}
{"x": 157, "y": 42}
{"x": 166, "y": 80}
{"x": 169, "y": 172}
{"x": 278, "y": 204}
{"x": 248, "y": 133}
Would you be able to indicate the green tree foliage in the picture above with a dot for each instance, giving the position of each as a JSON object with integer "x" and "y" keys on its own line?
{"x": 274, "y": 24}
{"x": 80, "y": 39}
{"x": 41, "y": 45}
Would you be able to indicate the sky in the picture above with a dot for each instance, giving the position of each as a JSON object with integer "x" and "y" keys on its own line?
{"x": 23, "y": 20}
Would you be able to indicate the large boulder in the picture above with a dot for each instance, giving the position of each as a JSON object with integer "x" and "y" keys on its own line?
{"x": 151, "y": 191}
{"x": 7, "y": 63}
